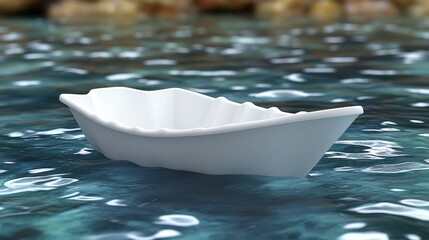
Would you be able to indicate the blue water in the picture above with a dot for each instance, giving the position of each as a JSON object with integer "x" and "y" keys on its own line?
{"x": 372, "y": 184}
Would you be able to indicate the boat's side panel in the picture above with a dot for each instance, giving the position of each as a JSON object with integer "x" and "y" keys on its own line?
{"x": 291, "y": 149}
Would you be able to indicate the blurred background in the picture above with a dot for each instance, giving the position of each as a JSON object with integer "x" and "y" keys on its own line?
{"x": 133, "y": 10}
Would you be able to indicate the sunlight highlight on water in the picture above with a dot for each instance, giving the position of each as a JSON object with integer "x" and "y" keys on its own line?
{"x": 33, "y": 184}
{"x": 394, "y": 209}
{"x": 375, "y": 149}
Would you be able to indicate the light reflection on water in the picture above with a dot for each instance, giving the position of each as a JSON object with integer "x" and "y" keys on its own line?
{"x": 32, "y": 184}
{"x": 394, "y": 209}
{"x": 376, "y": 150}
{"x": 370, "y": 185}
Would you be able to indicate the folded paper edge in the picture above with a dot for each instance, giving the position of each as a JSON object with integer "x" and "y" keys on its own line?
{"x": 164, "y": 132}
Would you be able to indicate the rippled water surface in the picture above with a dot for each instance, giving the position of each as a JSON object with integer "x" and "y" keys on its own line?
{"x": 372, "y": 184}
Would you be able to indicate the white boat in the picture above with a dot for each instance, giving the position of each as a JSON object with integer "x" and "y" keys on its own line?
{"x": 183, "y": 130}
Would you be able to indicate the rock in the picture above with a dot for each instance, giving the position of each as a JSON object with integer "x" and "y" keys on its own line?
{"x": 370, "y": 8}
{"x": 117, "y": 8}
{"x": 91, "y": 11}
{"x": 281, "y": 8}
{"x": 20, "y": 6}
{"x": 420, "y": 8}
{"x": 403, "y": 3}
{"x": 326, "y": 11}
{"x": 225, "y": 5}
{"x": 164, "y": 8}
{"x": 68, "y": 10}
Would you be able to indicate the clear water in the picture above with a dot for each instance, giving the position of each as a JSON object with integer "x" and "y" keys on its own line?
{"x": 372, "y": 184}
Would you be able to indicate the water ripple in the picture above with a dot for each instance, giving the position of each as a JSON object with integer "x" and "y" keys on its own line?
{"x": 289, "y": 93}
{"x": 15, "y": 134}
{"x": 31, "y": 56}
{"x": 320, "y": 70}
{"x": 84, "y": 151}
{"x": 32, "y": 184}
{"x": 72, "y": 136}
{"x": 70, "y": 195}
{"x": 420, "y": 104}
{"x": 376, "y": 72}
{"x": 86, "y": 198}
{"x": 412, "y": 237}
{"x": 178, "y": 220}
{"x": 122, "y": 76}
{"x": 424, "y": 91}
{"x": 165, "y": 233}
{"x": 393, "y": 209}
{"x": 397, "y": 168}
{"x": 397, "y": 190}
{"x": 100, "y": 54}
{"x": 71, "y": 70}
{"x": 12, "y": 36}
{"x": 415, "y": 202}
{"x": 294, "y": 77}
{"x": 364, "y": 236}
{"x": 57, "y": 131}
{"x": 39, "y": 46}
{"x": 249, "y": 40}
{"x": 13, "y": 49}
{"x": 40, "y": 170}
{"x": 130, "y": 54}
{"x": 382, "y": 130}
{"x": 203, "y": 73}
{"x": 340, "y": 100}
{"x": 377, "y": 149}
{"x": 202, "y": 90}
{"x": 116, "y": 202}
{"x": 149, "y": 82}
{"x": 387, "y": 123}
{"x": 286, "y": 60}
{"x": 334, "y": 39}
{"x": 341, "y": 59}
{"x": 160, "y": 62}
{"x": 355, "y": 225}
{"x": 354, "y": 80}
{"x": 26, "y": 83}
{"x": 344, "y": 169}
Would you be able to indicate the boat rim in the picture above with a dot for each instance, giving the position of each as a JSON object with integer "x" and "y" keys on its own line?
{"x": 232, "y": 127}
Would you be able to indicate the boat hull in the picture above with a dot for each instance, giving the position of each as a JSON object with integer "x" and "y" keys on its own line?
{"x": 289, "y": 149}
